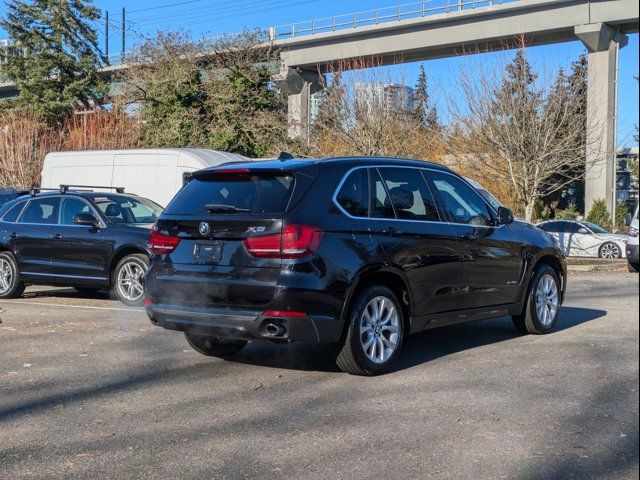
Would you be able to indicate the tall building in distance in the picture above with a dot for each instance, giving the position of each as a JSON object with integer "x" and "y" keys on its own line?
{"x": 315, "y": 106}
{"x": 394, "y": 97}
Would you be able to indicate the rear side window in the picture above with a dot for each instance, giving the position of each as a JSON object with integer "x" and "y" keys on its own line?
{"x": 234, "y": 194}
{"x": 354, "y": 193}
{"x": 13, "y": 213}
{"x": 41, "y": 210}
{"x": 409, "y": 194}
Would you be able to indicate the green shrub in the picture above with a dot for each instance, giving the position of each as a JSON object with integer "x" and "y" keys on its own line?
{"x": 570, "y": 213}
{"x": 599, "y": 214}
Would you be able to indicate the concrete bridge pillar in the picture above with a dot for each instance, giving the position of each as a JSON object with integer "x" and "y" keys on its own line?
{"x": 299, "y": 85}
{"x": 602, "y": 42}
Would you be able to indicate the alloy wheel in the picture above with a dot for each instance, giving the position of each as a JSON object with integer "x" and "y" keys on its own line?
{"x": 379, "y": 329}
{"x": 130, "y": 281}
{"x": 6, "y": 275}
{"x": 610, "y": 251}
{"x": 547, "y": 300}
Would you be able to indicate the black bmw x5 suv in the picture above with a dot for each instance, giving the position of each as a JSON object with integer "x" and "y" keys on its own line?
{"x": 358, "y": 252}
{"x": 85, "y": 239}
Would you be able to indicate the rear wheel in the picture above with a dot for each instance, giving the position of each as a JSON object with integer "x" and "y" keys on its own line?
{"x": 127, "y": 279}
{"x": 214, "y": 346}
{"x": 541, "y": 311}
{"x": 610, "y": 251}
{"x": 10, "y": 284}
{"x": 375, "y": 333}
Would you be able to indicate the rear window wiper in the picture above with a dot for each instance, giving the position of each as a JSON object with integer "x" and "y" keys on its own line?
{"x": 220, "y": 208}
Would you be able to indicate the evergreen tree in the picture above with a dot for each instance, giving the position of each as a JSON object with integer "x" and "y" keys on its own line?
{"x": 55, "y": 56}
{"x": 423, "y": 110}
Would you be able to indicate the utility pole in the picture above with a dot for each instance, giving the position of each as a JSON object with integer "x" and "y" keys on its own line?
{"x": 106, "y": 35}
{"x": 124, "y": 36}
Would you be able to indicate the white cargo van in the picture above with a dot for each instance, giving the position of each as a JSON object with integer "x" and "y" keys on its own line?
{"x": 156, "y": 174}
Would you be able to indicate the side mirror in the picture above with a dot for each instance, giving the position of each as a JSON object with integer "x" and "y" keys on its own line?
{"x": 505, "y": 216}
{"x": 85, "y": 219}
{"x": 628, "y": 219}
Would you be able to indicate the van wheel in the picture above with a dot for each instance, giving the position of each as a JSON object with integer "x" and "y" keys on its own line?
{"x": 214, "y": 346}
{"x": 10, "y": 284}
{"x": 128, "y": 277}
{"x": 375, "y": 334}
{"x": 542, "y": 308}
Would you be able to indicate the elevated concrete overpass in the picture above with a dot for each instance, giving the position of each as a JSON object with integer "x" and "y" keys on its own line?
{"x": 600, "y": 24}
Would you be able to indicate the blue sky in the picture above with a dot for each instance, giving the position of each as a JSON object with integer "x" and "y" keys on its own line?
{"x": 213, "y": 17}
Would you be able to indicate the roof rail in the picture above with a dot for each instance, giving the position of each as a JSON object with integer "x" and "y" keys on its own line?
{"x": 65, "y": 188}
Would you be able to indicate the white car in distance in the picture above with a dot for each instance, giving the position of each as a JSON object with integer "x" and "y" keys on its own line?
{"x": 585, "y": 239}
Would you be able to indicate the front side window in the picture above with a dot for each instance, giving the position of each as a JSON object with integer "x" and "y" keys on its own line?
{"x": 72, "y": 207}
{"x": 354, "y": 193}
{"x": 125, "y": 209}
{"x": 410, "y": 195}
{"x": 459, "y": 201}
{"x": 41, "y": 211}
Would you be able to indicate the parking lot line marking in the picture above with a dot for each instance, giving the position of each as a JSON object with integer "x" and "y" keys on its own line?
{"x": 89, "y": 307}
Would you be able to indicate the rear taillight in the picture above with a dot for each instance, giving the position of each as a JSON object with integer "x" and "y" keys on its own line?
{"x": 294, "y": 241}
{"x": 160, "y": 243}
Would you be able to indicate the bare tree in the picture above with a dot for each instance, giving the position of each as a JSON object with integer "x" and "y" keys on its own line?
{"x": 366, "y": 110}
{"x": 521, "y": 129}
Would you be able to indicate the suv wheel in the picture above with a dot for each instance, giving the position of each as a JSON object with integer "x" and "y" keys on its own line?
{"x": 128, "y": 280}
{"x": 214, "y": 346}
{"x": 543, "y": 303}
{"x": 10, "y": 284}
{"x": 375, "y": 333}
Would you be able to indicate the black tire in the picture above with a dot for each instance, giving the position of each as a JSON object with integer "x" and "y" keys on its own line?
{"x": 352, "y": 357}
{"x": 214, "y": 346}
{"x": 610, "y": 245}
{"x": 633, "y": 267}
{"x": 14, "y": 286}
{"x": 137, "y": 260}
{"x": 528, "y": 322}
{"x": 86, "y": 291}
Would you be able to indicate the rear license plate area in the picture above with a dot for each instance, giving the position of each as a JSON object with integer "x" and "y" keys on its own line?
{"x": 207, "y": 252}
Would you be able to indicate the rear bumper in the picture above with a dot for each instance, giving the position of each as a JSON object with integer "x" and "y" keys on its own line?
{"x": 244, "y": 324}
{"x": 632, "y": 254}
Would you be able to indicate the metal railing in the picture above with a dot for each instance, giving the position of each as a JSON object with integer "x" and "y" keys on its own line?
{"x": 378, "y": 16}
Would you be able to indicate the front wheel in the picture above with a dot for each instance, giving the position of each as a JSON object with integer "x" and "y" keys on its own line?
{"x": 542, "y": 307}
{"x": 214, "y": 346}
{"x": 127, "y": 279}
{"x": 375, "y": 333}
{"x": 609, "y": 251}
{"x": 10, "y": 284}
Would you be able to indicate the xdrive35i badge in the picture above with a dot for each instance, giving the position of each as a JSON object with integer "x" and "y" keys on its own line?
{"x": 203, "y": 228}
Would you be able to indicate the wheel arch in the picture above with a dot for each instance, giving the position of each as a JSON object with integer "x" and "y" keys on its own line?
{"x": 391, "y": 278}
{"x": 552, "y": 260}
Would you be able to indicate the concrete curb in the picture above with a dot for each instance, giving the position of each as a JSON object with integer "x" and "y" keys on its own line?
{"x": 596, "y": 268}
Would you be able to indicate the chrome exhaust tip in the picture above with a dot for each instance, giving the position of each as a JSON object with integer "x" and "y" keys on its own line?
{"x": 274, "y": 329}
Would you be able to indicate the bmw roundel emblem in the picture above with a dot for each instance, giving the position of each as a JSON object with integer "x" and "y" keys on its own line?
{"x": 203, "y": 228}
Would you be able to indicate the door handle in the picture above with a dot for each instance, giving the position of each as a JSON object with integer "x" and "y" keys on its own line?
{"x": 393, "y": 231}
{"x": 14, "y": 235}
{"x": 56, "y": 236}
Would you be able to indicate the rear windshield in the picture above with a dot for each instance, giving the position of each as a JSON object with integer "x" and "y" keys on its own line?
{"x": 237, "y": 195}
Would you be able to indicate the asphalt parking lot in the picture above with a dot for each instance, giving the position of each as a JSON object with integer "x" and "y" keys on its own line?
{"x": 90, "y": 389}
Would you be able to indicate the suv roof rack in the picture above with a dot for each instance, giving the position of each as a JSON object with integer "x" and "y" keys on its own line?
{"x": 33, "y": 191}
{"x": 65, "y": 188}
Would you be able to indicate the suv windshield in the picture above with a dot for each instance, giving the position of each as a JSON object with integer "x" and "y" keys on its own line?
{"x": 125, "y": 209}
{"x": 234, "y": 194}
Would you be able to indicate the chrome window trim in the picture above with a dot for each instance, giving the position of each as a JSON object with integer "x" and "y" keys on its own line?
{"x": 346, "y": 175}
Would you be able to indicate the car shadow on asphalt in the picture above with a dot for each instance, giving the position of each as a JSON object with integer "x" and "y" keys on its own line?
{"x": 55, "y": 292}
{"x": 418, "y": 349}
